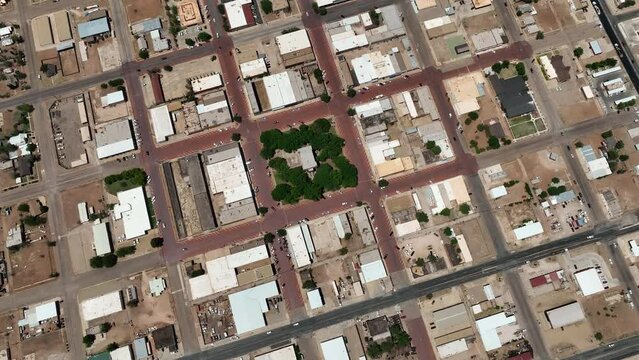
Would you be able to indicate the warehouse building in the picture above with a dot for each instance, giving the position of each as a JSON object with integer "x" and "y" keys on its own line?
{"x": 565, "y": 315}
{"x": 250, "y": 305}
{"x": 114, "y": 138}
{"x": 132, "y": 210}
{"x": 295, "y": 48}
{"x": 101, "y": 306}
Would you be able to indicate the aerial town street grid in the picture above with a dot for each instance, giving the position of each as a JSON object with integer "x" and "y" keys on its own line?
{"x": 495, "y": 212}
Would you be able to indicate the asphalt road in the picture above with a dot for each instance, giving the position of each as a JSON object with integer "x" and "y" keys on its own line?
{"x": 604, "y": 233}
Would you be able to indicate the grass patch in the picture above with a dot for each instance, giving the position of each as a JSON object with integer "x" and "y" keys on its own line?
{"x": 151, "y": 210}
{"x": 519, "y": 119}
{"x": 539, "y": 123}
{"x": 507, "y": 73}
{"x": 523, "y": 129}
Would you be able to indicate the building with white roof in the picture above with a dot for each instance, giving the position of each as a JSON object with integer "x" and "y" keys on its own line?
{"x": 589, "y": 281}
{"x": 122, "y": 353}
{"x": 300, "y": 244}
{"x": 5, "y": 31}
{"x": 132, "y": 210}
{"x": 83, "y": 214}
{"x": 112, "y": 98}
{"x": 248, "y": 306}
{"x": 158, "y": 43}
{"x": 101, "y": 239}
{"x": 488, "y": 39}
{"x": 595, "y": 167}
{"x": 36, "y": 314}
{"x": 496, "y": 330}
{"x": 307, "y": 158}
{"x": 221, "y": 274}
{"x": 348, "y": 39}
{"x": 253, "y": 68}
{"x": 371, "y": 266}
{"x": 497, "y": 192}
{"x": 335, "y": 349}
{"x": 373, "y": 66}
{"x": 408, "y": 227}
{"x": 239, "y": 14}
{"x": 103, "y": 305}
{"x": 285, "y": 353}
{"x": 157, "y": 286}
{"x": 634, "y": 248}
{"x": 315, "y": 300}
{"x": 441, "y": 195}
{"x": 549, "y": 70}
{"x": 229, "y": 177}
{"x": 452, "y": 348}
{"x": 162, "y": 122}
{"x": 114, "y": 138}
{"x": 207, "y": 82}
{"x": 293, "y": 42}
{"x": 21, "y": 141}
{"x": 529, "y": 229}
{"x": 565, "y": 315}
{"x": 283, "y": 89}
{"x": 614, "y": 86}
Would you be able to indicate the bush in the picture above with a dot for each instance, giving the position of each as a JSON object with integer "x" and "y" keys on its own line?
{"x": 125, "y": 251}
{"x": 133, "y": 303}
{"x": 281, "y": 232}
{"x": 325, "y": 97}
{"x": 236, "y": 137}
{"x": 464, "y": 208}
{"x": 157, "y": 242}
{"x": 88, "y": 340}
{"x": 578, "y": 51}
{"x": 24, "y": 207}
{"x": 319, "y": 75}
{"x": 382, "y": 183}
{"x": 421, "y": 216}
{"x": 619, "y": 145}
{"x": 493, "y": 142}
{"x": 112, "y": 346}
{"x": 598, "y": 336}
{"x": 105, "y": 327}
{"x": 96, "y": 262}
{"x": 555, "y": 180}
{"x": 196, "y": 273}
{"x": 110, "y": 260}
{"x": 351, "y": 112}
{"x": 168, "y": 68}
{"x": 25, "y": 108}
{"x": 445, "y": 212}
{"x": 116, "y": 82}
{"x": 623, "y": 157}
{"x": 267, "y": 6}
{"x": 606, "y": 134}
{"x": 262, "y": 210}
{"x": 189, "y": 42}
{"x": 448, "y": 231}
{"x": 309, "y": 284}
{"x": 521, "y": 69}
{"x": 579, "y": 144}
{"x": 144, "y": 54}
{"x": 351, "y": 92}
{"x": 104, "y": 85}
{"x": 420, "y": 262}
{"x": 204, "y": 36}
{"x": 496, "y": 67}
{"x": 269, "y": 237}
{"x": 613, "y": 154}
{"x": 473, "y": 115}
{"x": 540, "y": 35}
{"x": 343, "y": 251}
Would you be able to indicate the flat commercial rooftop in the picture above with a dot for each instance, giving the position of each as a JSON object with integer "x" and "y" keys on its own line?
{"x": 114, "y": 138}
{"x": 293, "y": 41}
{"x": 589, "y": 281}
{"x": 286, "y": 353}
{"x": 102, "y": 305}
{"x": 335, "y": 349}
{"x": 565, "y": 315}
{"x": 248, "y": 306}
{"x": 101, "y": 240}
{"x": 132, "y": 209}
{"x": 162, "y": 123}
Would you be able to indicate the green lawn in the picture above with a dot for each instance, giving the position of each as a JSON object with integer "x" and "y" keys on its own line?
{"x": 118, "y": 186}
{"x": 541, "y": 126}
{"x": 508, "y": 72}
{"x": 523, "y": 129}
{"x": 519, "y": 119}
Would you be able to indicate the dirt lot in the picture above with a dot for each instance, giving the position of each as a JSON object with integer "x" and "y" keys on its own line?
{"x": 610, "y": 315}
{"x": 578, "y": 112}
{"x": 152, "y": 311}
{"x": 137, "y": 10}
{"x": 478, "y": 242}
{"x": 47, "y": 346}
{"x": 31, "y": 265}
{"x": 174, "y": 83}
{"x": 545, "y": 17}
{"x": 489, "y": 111}
{"x": 483, "y": 22}
{"x": 563, "y": 13}
{"x": 92, "y": 194}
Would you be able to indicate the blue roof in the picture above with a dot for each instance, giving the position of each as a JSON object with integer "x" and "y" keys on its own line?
{"x": 140, "y": 348}
{"x": 566, "y": 196}
{"x": 588, "y": 153}
{"x": 147, "y": 25}
{"x": 93, "y": 27}
{"x": 101, "y": 356}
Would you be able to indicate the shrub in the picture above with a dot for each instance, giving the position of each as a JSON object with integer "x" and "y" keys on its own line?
{"x": 125, "y": 251}
{"x": 351, "y": 112}
{"x": 619, "y": 145}
{"x": 343, "y": 251}
{"x": 157, "y": 242}
{"x": 309, "y": 284}
{"x": 598, "y": 336}
{"x": 168, "y": 68}
{"x": 464, "y": 208}
{"x": 493, "y": 142}
{"x": 96, "y": 262}
{"x": 382, "y": 183}
{"x": 88, "y": 340}
{"x": 623, "y": 157}
{"x": 133, "y": 303}
{"x": 325, "y": 97}
{"x": 267, "y": 6}
{"x": 521, "y": 69}
{"x": 448, "y": 231}
{"x": 445, "y": 212}
{"x": 236, "y": 137}
{"x": 204, "y": 36}
{"x": 269, "y": 237}
{"x": 606, "y": 134}
{"x": 319, "y": 75}
{"x": 555, "y": 180}
{"x": 473, "y": 115}
{"x": 144, "y": 54}
{"x": 281, "y": 232}
{"x": 196, "y": 273}
{"x": 105, "y": 327}
{"x": 112, "y": 346}
{"x": 24, "y": 207}
{"x": 110, "y": 260}
{"x": 420, "y": 262}
{"x": 540, "y": 35}
{"x": 578, "y": 51}
{"x": 351, "y": 92}
{"x": 262, "y": 210}
{"x": 189, "y": 42}
{"x": 421, "y": 216}
{"x": 579, "y": 144}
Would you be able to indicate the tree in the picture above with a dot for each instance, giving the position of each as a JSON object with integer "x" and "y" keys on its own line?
{"x": 269, "y": 237}
{"x": 493, "y": 142}
{"x": 168, "y": 68}
{"x": 110, "y": 260}
{"x": 44, "y": 68}
{"x": 598, "y": 336}
{"x": 125, "y": 251}
{"x": 473, "y": 115}
{"x": 23, "y": 207}
{"x": 43, "y": 209}
{"x": 578, "y": 51}
{"x": 96, "y": 262}
{"x": 382, "y": 183}
{"x": 143, "y": 53}
{"x": 540, "y": 35}
{"x": 236, "y": 137}
{"x": 619, "y": 145}
{"x": 319, "y": 75}
{"x": 623, "y": 157}
{"x": 281, "y": 191}
{"x": 262, "y": 210}
{"x": 133, "y": 303}
{"x": 436, "y": 150}
{"x": 555, "y": 180}
{"x": 421, "y": 217}
{"x": 351, "y": 112}
{"x": 445, "y": 212}
{"x": 88, "y": 340}
{"x": 112, "y": 346}
{"x": 189, "y": 42}
{"x": 521, "y": 69}
{"x": 31, "y": 147}
{"x": 464, "y": 208}
{"x": 104, "y": 85}
{"x": 579, "y": 144}
{"x": 267, "y": 6}
{"x": 420, "y": 262}
{"x": 309, "y": 284}
{"x": 613, "y": 154}
{"x": 374, "y": 350}
{"x": 105, "y": 327}
{"x": 343, "y": 251}
{"x": 204, "y": 36}
{"x": 496, "y": 67}
{"x": 196, "y": 273}
{"x": 25, "y": 108}
{"x": 448, "y": 231}
{"x": 351, "y": 92}
{"x": 606, "y": 134}
{"x": 281, "y": 232}
{"x": 157, "y": 242}
{"x": 325, "y": 97}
